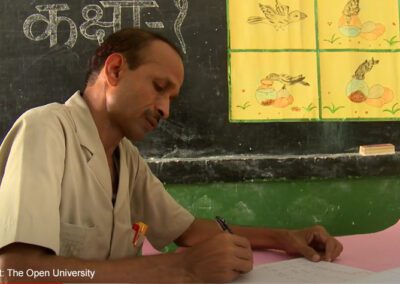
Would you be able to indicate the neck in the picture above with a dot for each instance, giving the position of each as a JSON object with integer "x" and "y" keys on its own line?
{"x": 110, "y": 136}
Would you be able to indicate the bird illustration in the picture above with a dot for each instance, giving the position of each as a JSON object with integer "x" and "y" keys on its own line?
{"x": 287, "y": 79}
{"x": 280, "y": 17}
{"x": 365, "y": 67}
{"x": 352, "y": 8}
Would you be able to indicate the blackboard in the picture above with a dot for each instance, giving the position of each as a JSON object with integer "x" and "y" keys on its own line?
{"x": 44, "y": 49}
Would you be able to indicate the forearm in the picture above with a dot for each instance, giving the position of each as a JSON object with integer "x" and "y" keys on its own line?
{"x": 51, "y": 268}
{"x": 260, "y": 238}
{"x": 315, "y": 243}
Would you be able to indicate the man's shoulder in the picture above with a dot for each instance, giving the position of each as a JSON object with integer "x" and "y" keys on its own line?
{"x": 44, "y": 111}
{"x": 38, "y": 124}
{"x": 45, "y": 115}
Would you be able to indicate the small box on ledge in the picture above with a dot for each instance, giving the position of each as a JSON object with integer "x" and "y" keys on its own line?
{"x": 377, "y": 149}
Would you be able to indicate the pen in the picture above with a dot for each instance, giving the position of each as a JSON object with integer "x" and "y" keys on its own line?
{"x": 223, "y": 224}
{"x": 139, "y": 230}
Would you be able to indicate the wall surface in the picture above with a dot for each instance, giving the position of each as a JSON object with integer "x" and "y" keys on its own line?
{"x": 44, "y": 50}
{"x": 344, "y": 206}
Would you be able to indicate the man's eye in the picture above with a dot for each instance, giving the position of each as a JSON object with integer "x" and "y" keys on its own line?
{"x": 158, "y": 88}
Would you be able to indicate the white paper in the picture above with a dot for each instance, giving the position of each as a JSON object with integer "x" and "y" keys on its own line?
{"x": 388, "y": 276}
{"x": 300, "y": 270}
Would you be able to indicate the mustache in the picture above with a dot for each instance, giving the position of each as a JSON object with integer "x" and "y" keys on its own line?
{"x": 153, "y": 114}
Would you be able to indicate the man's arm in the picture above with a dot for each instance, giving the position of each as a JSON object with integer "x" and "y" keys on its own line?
{"x": 30, "y": 258}
{"x": 219, "y": 259}
{"x": 314, "y": 243}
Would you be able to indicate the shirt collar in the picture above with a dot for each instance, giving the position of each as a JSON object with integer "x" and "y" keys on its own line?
{"x": 84, "y": 123}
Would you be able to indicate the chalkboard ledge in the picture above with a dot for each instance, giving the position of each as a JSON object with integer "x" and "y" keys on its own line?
{"x": 237, "y": 168}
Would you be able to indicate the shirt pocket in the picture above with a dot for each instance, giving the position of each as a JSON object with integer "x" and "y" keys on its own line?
{"x": 75, "y": 239}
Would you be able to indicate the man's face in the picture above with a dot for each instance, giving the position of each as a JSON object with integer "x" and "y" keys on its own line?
{"x": 142, "y": 96}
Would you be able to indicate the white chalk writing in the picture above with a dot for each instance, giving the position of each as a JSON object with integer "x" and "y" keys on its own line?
{"x": 52, "y": 24}
{"x": 94, "y": 22}
{"x": 182, "y": 6}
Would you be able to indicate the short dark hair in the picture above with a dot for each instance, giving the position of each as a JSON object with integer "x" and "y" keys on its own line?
{"x": 128, "y": 41}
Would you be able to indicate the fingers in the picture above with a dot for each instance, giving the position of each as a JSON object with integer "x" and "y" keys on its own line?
{"x": 221, "y": 258}
{"x": 323, "y": 242}
{"x": 230, "y": 276}
{"x": 238, "y": 252}
{"x": 243, "y": 253}
{"x": 333, "y": 249}
{"x": 329, "y": 244}
{"x": 310, "y": 253}
{"x": 241, "y": 245}
{"x": 338, "y": 250}
{"x": 240, "y": 241}
{"x": 243, "y": 266}
{"x": 320, "y": 234}
{"x": 242, "y": 260}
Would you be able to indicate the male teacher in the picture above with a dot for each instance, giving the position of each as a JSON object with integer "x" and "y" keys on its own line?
{"x": 73, "y": 184}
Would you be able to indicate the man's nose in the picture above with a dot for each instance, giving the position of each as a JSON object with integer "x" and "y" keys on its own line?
{"x": 163, "y": 105}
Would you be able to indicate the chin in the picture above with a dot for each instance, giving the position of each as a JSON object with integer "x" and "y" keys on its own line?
{"x": 136, "y": 132}
{"x": 135, "y": 136}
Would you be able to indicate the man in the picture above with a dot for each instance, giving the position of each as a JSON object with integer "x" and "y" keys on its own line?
{"x": 72, "y": 184}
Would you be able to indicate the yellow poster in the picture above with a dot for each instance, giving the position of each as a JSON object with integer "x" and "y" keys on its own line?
{"x": 296, "y": 60}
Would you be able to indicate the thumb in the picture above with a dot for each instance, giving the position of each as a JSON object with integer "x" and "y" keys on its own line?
{"x": 310, "y": 253}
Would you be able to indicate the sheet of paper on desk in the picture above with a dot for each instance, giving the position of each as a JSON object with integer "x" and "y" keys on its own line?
{"x": 388, "y": 276}
{"x": 300, "y": 270}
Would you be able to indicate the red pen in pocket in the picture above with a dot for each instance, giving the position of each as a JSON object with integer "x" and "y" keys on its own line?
{"x": 139, "y": 233}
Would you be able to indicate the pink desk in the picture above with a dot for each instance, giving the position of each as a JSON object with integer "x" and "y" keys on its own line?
{"x": 376, "y": 252}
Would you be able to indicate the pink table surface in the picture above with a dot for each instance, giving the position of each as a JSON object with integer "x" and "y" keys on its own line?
{"x": 376, "y": 251}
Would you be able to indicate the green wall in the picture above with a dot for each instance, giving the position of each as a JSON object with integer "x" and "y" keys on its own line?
{"x": 343, "y": 206}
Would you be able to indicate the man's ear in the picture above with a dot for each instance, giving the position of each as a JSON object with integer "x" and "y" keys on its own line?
{"x": 113, "y": 67}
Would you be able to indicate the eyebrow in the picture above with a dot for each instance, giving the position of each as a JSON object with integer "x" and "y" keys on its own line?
{"x": 169, "y": 82}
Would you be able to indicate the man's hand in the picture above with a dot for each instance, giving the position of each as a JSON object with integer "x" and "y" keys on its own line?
{"x": 314, "y": 243}
{"x": 221, "y": 258}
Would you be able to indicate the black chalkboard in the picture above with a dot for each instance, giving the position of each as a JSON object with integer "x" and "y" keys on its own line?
{"x": 43, "y": 58}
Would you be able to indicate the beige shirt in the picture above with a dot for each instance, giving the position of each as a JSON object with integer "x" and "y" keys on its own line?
{"x": 56, "y": 190}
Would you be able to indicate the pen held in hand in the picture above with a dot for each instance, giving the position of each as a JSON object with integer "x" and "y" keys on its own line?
{"x": 223, "y": 224}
